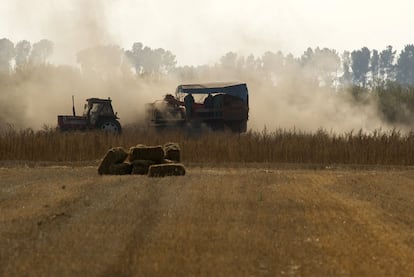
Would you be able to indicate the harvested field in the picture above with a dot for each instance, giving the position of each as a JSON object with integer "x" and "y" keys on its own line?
{"x": 241, "y": 220}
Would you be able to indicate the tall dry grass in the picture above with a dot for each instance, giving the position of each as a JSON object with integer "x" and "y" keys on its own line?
{"x": 279, "y": 146}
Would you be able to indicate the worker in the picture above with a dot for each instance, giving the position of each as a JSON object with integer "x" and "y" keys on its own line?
{"x": 189, "y": 102}
{"x": 171, "y": 100}
{"x": 218, "y": 105}
{"x": 208, "y": 102}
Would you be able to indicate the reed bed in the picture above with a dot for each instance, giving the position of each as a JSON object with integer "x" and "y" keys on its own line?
{"x": 279, "y": 146}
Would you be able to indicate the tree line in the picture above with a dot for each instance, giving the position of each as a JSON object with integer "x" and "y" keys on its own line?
{"x": 364, "y": 68}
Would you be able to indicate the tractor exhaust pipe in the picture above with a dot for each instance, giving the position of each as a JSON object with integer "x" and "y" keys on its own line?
{"x": 73, "y": 105}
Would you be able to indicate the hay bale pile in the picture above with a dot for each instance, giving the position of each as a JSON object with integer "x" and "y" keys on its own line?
{"x": 154, "y": 161}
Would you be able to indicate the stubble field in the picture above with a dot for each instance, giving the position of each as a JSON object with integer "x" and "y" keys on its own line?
{"x": 239, "y": 219}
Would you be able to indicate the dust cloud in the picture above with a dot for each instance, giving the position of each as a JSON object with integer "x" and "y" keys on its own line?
{"x": 305, "y": 107}
{"x": 34, "y": 97}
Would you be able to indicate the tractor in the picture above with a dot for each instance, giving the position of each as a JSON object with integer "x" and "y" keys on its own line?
{"x": 218, "y": 106}
{"x": 98, "y": 114}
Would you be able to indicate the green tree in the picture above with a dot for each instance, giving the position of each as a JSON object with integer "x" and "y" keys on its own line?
{"x": 321, "y": 65}
{"x": 103, "y": 61}
{"x": 346, "y": 79}
{"x": 375, "y": 68}
{"x": 22, "y": 53}
{"x": 360, "y": 65}
{"x": 386, "y": 64}
{"x": 252, "y": 63}
{"x": 396, "y": 103}
{"x": 7, "y": 53}
{"x": 405, "y": 66}
{"x": 273, "y": 62}
{"x": 150, "y": 62}
{"x": 41, "y": 51}
{"x": 229, "y": 60}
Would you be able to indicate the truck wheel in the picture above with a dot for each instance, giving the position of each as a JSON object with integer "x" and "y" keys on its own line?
{"x": 110, "y": 126}
{"x": 239, "y": 126}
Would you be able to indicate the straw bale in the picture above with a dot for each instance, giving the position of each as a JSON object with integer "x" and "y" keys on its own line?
{"x": 114, "y": 155}
{"x": 140, "y": 167}
{"x": 120, "y": 169}
{"x": 142, "y": 152}
{"x": 162, "y": 170}
{"x": 172, "y": 151}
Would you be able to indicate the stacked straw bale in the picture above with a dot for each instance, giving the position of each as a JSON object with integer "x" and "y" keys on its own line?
{"x": 162, "y": 170}
{"x": 140, "y": 167}
{"x": 114, "y": 156}
{"x": 149, "y": 153}
{"x": 120, "y": 169}
{"x": 154, "y": 161}
{"x": 172, "y": 151}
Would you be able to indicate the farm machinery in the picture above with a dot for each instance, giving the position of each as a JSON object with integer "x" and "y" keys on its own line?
{"x": 218, "y": 106}
{"x": 98, "y": 114}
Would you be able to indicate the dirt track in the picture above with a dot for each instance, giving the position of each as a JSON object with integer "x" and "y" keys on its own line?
{"x": 65, "y": 221}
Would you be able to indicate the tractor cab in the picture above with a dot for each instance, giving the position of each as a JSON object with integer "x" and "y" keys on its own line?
{"x": 99, "y": 109}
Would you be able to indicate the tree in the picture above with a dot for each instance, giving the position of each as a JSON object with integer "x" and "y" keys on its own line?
{"x": 229, "y": 60}
{"x": 6, "y": 54}
{"x": 134, "y": 57}
{"x": 22, "y": 52}
{"x": 147, "y": 61}
{"x": 103, "y": 61}
{"x": 327, "y": 63}
{"x": 346, "y": 79}
{"x": 41, "y": 51}
{"x": 273, "y": 62}
{"x": 252, "y": 63}
{"x": 405, "y": 66}
{"x": 375, "y": 67}
{"x": 386, "y": 64}
{"x": 321, "y": 65}
{"x": 360, "y": 65}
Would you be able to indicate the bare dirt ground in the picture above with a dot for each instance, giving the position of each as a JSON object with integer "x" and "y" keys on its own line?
{"x": 66, "y": 221}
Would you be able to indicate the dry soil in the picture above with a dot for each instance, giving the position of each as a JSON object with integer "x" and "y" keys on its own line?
{"x": 256, "y": 220}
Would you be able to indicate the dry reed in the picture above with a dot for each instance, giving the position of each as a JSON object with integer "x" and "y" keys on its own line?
{"x": 279, "y": 146}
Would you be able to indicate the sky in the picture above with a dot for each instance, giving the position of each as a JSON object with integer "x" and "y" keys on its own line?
{"x": 200, "y": 32}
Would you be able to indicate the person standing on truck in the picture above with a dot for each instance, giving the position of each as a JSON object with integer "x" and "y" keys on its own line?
{"x": 208, "y": 102}
{"x": 208, "y": 105}
{"x": 218, "y": 105}
{"x": 189, "y": 102}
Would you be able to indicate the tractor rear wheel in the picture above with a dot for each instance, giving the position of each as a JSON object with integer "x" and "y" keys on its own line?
{"x": 110, "y": 126}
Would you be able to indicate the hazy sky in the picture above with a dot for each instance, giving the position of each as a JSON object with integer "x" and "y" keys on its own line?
{"x": 200, "y": 32}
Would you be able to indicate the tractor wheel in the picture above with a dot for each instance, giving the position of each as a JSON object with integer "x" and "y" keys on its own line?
{"x": 110, "y": 126}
